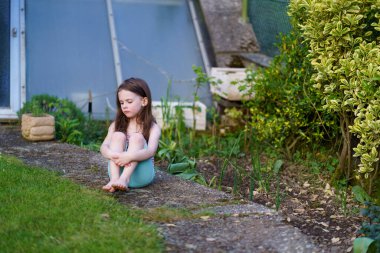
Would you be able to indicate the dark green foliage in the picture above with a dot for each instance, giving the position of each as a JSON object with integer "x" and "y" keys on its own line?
{"x": 95, "y": 131}
{"x": 360, "y": 194}
{"x": 69, "y": 120}
{"x": 220, "y": 146}
{"x": 71, "y": 124}
{"x": 59, "y": 108}
{"x": 371, "y": 228}
{"x": 285, "y": 109}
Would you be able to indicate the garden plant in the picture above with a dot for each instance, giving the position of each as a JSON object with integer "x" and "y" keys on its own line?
{"x": 72, "y": 126}
{"x": 343, "y": 37}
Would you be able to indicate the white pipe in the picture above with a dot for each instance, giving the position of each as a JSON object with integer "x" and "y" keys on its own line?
{"x": 115, "y": 49}
{"x": 198, "y": 34}
{"x": 22, "y": 53}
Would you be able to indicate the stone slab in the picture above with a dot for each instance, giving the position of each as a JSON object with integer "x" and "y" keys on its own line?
{"x": 235, "y": 234}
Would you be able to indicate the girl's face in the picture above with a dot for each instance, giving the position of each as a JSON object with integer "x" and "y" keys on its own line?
{"x": 131, "y": 103}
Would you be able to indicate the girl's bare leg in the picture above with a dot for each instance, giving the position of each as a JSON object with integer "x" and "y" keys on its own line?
{"x": 136, "y": 142}
{"x": 117, "y": 144}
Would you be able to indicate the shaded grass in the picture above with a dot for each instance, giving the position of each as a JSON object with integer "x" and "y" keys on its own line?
{"x": 42, "y": 212}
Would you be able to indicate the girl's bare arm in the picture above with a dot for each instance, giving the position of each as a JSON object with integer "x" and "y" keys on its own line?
{"x": 105, "y": 147}
{"x": 150, "y": 151}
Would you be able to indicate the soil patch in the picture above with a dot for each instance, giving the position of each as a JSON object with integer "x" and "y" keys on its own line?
{"x": 307, "y": 201}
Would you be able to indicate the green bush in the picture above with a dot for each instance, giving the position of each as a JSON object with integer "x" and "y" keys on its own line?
{"x": 343, "y": 37}
{"x": 59, "y": 108}
{"x": 69, "y": 120}
{"x": 371, "y": 227}
{"x": 71, "y": 124}
{"x": 285, "y": 109}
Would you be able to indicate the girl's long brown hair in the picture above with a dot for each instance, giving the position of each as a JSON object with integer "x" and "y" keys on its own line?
{"x": 144, "y": 117}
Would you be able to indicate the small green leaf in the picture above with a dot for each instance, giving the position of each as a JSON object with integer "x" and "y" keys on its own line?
{"x": 187, "y": 175}
{"x": 364, "y": 245}
{"x": 360, "y": 194}
{"x": 277, "y": 166}
{"x": 175, "y": 168}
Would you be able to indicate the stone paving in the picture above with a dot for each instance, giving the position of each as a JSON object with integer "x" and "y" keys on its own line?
{"x": 235, "y": 226}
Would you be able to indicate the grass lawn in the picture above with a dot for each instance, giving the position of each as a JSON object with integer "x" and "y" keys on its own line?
{"x": 43, "y": 212}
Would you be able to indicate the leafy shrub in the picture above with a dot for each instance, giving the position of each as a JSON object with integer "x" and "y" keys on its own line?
{"x": 343, "y": 37}
{"x": 71, "y": 124}
{"x": 95, "y": 131}
{"x": 285, "y": 109}
{"x": 59, "y": 108}
{"x": 69, "y": 120}
{"x": 371, "y": 228}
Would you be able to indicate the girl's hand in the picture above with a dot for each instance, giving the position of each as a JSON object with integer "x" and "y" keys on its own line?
{"x": 111, "y": 154}
{"x": 121, "y": 159}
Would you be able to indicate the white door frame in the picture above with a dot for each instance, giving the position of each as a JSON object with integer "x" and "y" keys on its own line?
{"x": 17, "y": 60}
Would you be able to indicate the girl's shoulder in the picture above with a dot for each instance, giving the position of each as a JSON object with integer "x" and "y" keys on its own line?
{"x": 112, "y": 127}
{"x": 155, "y": 128}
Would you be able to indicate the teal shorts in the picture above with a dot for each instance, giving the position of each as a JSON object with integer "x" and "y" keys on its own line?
{"x": 143, "y": 174}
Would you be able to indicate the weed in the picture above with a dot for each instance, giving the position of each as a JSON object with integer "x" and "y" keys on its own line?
{"x": 200, "y": 80}
{"x": 234, "y": 150}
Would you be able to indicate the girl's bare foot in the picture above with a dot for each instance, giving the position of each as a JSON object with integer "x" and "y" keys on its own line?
{"x": 120, "y": 185}
{"x": 108, "y": 187}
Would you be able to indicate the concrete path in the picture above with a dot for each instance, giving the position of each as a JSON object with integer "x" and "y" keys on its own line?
{"x": 234, "y": 226}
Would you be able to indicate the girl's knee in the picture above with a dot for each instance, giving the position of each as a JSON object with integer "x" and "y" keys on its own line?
{"x": 136, "y": 139}
{"x": 118, "y": 137}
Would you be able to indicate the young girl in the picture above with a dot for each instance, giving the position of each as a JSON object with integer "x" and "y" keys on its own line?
{"x": 132, "y": 139}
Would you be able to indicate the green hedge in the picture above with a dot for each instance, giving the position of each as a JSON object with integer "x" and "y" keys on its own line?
{"x": 343, "y": 37}
{"x": 286, "y": 110}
